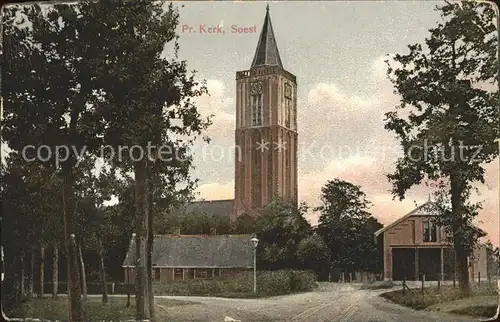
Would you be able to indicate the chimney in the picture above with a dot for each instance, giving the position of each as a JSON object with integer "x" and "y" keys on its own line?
{"x": 213, "y": 231}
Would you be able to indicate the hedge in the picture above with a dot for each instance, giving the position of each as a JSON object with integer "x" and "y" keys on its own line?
{"x": 269, "y": 283}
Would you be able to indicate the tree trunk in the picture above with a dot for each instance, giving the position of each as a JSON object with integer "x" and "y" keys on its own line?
{"x": 84, "y": 278}
{"x": 55, "y": 270}
{"x": 75, "y": 307}
{"x": 462, "y": 268}
{"x": 23, "y": 286}
{"x": 42, "y": 268}
{"x": 32, "y": 273}
{"x": 102, "y": 275}
{"x": 140, "y": 231}
{"x": 149, "y": 247}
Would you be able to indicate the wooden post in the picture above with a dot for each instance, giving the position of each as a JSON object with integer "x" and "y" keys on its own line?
{"x": 42, "y": 268}
{"x": 439, "y": 283}
{"x": 442, "y": 264}
{"x": 454, "y": 268}
{"x": 416, "y": 264}
{"x": 350, "y": 277}
{"x": 404, "y": 285}
{"x": 423, "y": 283}
{"x": 183, "y": 273}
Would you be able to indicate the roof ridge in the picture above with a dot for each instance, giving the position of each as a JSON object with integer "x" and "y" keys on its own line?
{"x": 400, "y": 219}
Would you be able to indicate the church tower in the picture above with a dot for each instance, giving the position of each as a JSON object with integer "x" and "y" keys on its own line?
{"x": 266, "y": 129}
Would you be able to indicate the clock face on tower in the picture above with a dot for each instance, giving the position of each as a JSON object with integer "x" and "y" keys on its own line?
{"x": 255, "y": 88}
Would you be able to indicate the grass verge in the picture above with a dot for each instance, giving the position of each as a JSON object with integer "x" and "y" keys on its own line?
{"x": 480, "y": 311}
{"x": 57, "y": 310}
{"x": 378, "y": 285}
{"x": 448, "y": 299}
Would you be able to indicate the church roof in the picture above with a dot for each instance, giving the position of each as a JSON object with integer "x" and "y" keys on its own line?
{"x": 267, "y": 53}
{"x": 204, "y": 251}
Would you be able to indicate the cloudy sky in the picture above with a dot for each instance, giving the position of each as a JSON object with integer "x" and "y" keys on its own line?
{"x": 337, "y": 51}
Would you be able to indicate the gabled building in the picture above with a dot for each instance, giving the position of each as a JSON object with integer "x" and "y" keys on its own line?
{"x": 413, "y": 245}
{"x": 180, "y": 257}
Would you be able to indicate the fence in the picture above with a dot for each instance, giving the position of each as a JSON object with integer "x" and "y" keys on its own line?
{"x": 92, "y": 288}
{"x": 422, "y": 283}
{"x": 356, "y": 277}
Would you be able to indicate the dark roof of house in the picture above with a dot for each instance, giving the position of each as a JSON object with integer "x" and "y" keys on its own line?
{"x": 197, "y": 251}
{"x": 210, "y": 207}
{"x": 267, "y": 53}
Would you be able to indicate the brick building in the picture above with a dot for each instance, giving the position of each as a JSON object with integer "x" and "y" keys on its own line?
{"x": 179, "y": 257}
{"x": 413, "y": 245}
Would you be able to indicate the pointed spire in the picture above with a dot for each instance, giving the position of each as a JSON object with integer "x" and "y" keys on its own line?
{"x": 267, "y": 53}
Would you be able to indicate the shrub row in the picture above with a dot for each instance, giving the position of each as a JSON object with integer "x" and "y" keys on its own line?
{"x": 269, "y": 283}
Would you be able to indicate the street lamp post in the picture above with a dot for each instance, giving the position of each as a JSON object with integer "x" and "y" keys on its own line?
{"x": 255, "y": 242}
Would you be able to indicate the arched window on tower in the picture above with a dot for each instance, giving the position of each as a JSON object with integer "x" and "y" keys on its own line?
{"x": 256, "y": 101}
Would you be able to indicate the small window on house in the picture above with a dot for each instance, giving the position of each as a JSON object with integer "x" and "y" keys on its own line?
{"x": 430, "y": 231}
{"x": 178, "y": 274}
{"x": 201, "y": 273}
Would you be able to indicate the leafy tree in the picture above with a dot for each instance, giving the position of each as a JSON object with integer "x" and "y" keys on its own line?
{"x": 314, "y": 254}
{"x": 141, "y": 93}
{"x": 19, "y": 223}
{"x": 48, "y": 102}
{"x": 32, "y": 214}
{"x": 195, "y": 223}
{"x": 244, "y": 224}
{"x": 280, "y": 228}
{"x": 452, "y": 121}
{"x": 347, "y": 227}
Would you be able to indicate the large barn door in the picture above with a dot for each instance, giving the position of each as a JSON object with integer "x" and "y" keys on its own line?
{"x": 403, "y": 264}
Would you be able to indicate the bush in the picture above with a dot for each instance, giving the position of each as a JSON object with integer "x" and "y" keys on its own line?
{"x": 302, "y": 281}
{"x": 268, "y": 284}
{"x": 275, "y": 282}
